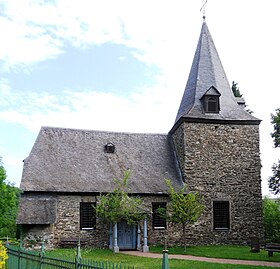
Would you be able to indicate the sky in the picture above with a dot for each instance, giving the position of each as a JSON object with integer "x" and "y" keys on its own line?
{"x": 122, "y": 65}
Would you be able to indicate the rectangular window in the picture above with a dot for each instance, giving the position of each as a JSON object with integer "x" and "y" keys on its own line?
{"x": 221, "y": 215}
{"x": 159, "y": 222}
{"x": 87, "y": 216}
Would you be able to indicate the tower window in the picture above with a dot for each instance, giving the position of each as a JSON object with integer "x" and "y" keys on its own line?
{"x": 221, "y": 215}
{"x": 211, "y": 100}
{"x": 109, "y": 148}
{"x": 212, "y": 105}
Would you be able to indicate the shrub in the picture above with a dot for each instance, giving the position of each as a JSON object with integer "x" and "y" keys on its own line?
{"x": 271, "y": 216}
{"x": 3, "y": 256}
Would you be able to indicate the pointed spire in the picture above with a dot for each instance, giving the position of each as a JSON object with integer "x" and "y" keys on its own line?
{"x": 207, "y": 72}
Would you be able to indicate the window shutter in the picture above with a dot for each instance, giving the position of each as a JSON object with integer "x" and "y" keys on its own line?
{"x": 221, "y": 215}
{"x": 158, "y": 221}
{"x": 87, "y": 215}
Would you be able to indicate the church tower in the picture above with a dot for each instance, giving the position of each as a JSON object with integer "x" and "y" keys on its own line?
{"x": 217, "y": 146}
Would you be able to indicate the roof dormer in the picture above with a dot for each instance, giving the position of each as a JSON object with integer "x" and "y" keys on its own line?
{"x": 109, "y": 148}
{"x": 211, "y": 100}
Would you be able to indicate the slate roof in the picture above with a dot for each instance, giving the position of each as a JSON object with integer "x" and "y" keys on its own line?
{"x": 71, "y": 160}
{"x": 36, "y": 210}
{"x": 207, "y": 71}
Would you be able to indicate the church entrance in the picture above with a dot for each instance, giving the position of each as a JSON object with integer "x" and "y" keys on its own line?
{"x": 127, "y": 236}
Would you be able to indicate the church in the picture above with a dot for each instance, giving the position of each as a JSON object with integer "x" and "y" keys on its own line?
{"x": 213, "y": 147}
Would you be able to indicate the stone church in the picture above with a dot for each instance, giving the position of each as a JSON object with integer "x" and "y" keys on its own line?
{"x": 213, "y": 147}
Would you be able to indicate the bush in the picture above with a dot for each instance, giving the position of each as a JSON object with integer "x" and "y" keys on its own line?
{"x": 3, "y": 256}
{"x": 271, "y": 217}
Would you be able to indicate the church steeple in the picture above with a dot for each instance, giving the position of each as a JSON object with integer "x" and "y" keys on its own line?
{"x": 216, "y": 147}
{"x": 208, "y": 95}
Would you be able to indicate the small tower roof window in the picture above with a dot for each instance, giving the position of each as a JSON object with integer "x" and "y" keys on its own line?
{"x": 109, "y": 148}
{"x": 211, "y": 100}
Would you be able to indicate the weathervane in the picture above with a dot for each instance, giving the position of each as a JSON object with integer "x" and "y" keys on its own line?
{"x": 203, "y": 8}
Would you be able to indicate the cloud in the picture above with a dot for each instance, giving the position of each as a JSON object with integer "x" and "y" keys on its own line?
{"x": 24, "y": 45}
{"x": 39, "y": 30}
{"x": 143, "y": 111}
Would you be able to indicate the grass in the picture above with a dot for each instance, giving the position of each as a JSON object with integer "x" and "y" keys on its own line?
{"x": 224, "y": 252}
{"x": 149, "y": 263}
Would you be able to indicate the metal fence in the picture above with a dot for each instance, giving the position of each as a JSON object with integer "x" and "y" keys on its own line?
{"x": 19, "y": 258}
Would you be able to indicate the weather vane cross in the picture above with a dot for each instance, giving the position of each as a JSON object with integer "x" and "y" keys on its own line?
{"x": 203, "y": 7}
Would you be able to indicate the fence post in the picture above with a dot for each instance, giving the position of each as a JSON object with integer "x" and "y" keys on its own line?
{"x": 42, "y": 254}
{"x": 7, "y": 241}
{"x": 165, "y": 259}
{"x": 19, "y": 252}
{"x": 78, "y": 255}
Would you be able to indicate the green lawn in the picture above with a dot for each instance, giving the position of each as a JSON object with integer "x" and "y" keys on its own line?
{"x": 149, "y": 263}
{"x": 225, "y": 252}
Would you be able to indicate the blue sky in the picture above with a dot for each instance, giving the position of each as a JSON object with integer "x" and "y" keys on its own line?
{"x": 123, "y": 65}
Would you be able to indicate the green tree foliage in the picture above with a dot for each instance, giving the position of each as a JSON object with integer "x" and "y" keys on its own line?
{"x": 271, "y": 216}
{"x": 120, "y": 205}
{"x": 9, "y": 197}
{"x": 274, "y": 180}
{"x": 184, "y": 208}
{"x": 235, "y": 89}
{"x": 236, "y": 93}
{"x": 275, "y": 120}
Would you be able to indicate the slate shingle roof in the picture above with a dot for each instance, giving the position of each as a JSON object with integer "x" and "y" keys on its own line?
{"x": 70, "y": 160}
{"x": 207, "y": 71}
{"x": 36, "y": 210}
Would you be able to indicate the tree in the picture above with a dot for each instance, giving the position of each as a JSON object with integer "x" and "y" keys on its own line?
{"x": 119, "y": 205}
{"x": 236, "y": 93}
{"x": 235, "y": 89}
{"x": 274, "y": 180}
{"x": 271, "y": 217}
{"x": 9, "y": 197}
{"x": 184, "y": 208}
{"x": 275, "y": 120}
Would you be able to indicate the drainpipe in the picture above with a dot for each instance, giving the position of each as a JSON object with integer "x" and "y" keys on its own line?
{"x": 145, "y": 246}
{"x": 138, "y": 237}
{"x": 116, "y": 247}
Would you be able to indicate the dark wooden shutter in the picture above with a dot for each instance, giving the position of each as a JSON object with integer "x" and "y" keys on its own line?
{"x": 221, "y": 215}
{"x": 87, "y": 215}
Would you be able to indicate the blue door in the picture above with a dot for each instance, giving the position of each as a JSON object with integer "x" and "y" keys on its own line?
{"x": 126, "y": 236}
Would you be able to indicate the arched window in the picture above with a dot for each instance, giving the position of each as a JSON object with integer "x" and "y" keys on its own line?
{"x": 212, "y": 105}
{"x": 211, "y": 100}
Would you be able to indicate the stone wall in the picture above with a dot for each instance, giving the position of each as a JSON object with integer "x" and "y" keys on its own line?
{"x": 68, "y": 222}
{"x": 68, "y": 225}
{"x": 222, "y": 162}
{"x": 33, "y": 236}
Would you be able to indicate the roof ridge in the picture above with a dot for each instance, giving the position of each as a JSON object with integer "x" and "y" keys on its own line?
{"x": 99, "y": 131}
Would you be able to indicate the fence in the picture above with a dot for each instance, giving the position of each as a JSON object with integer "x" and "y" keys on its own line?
{"x": 19, "y": 258}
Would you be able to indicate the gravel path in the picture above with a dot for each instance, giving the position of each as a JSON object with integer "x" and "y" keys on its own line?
{"x": 202, "y": 259}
